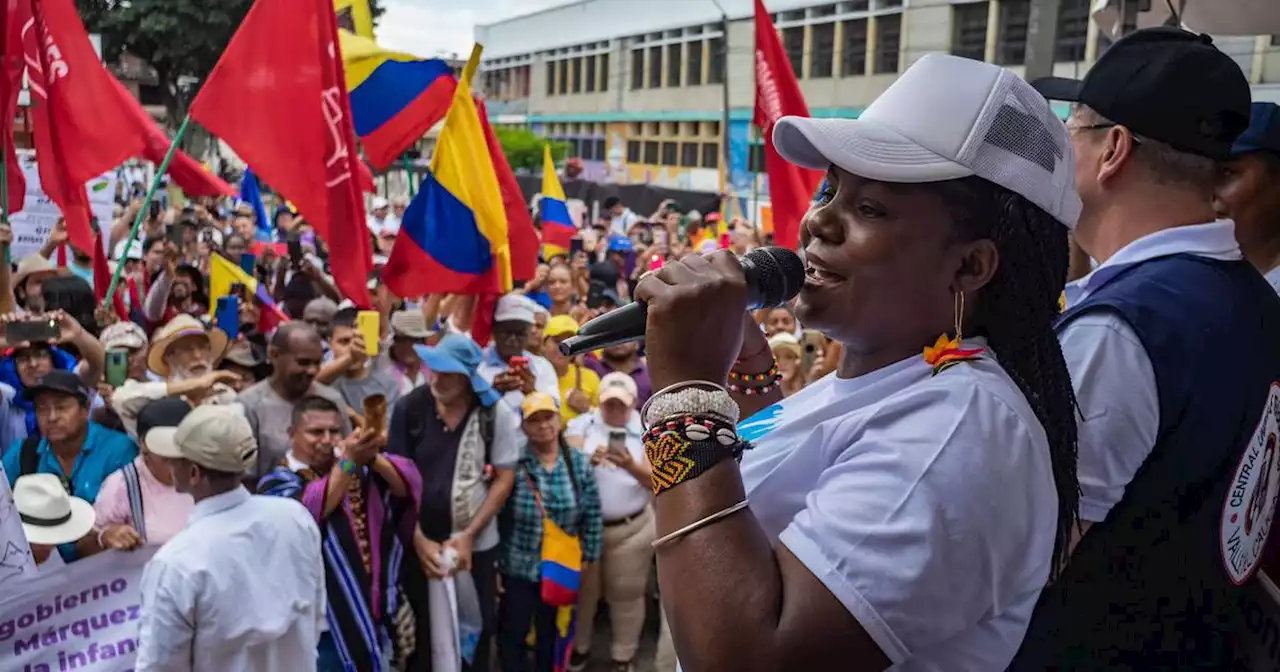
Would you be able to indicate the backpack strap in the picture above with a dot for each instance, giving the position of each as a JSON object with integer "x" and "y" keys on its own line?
{"x": 133, "y": 486}
{"x": 28, "y": 458}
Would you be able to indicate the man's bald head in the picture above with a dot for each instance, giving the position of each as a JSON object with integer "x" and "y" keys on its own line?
{"x": 319, "y": 314}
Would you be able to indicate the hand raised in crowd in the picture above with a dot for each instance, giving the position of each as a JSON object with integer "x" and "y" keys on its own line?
{"x": 618, "y": 458}
{"x": 121, "y": 538}
{"x": 105, "y": 391}
{"x": 69, "y": 328}
{"x": 59, "y": 233}
{"x": 209, "y": 380}
{"x": 516, "y": 379}
{"x": 362, "y": 447}
{"x": 6, "y": 235}
{"x": 172, "y": 257}
{"x": 105, "y": 316}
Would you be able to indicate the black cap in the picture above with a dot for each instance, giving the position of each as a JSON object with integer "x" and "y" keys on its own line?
{"x": 61, "y": 382}
{"x": 162, "y": 412}
{"x": 1167, "y": 84}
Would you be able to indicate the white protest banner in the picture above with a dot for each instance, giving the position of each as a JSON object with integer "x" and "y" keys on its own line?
{"x": 32, "y": 225}
{"x": 81, "y": 616}
{"x": 15, "y": 554}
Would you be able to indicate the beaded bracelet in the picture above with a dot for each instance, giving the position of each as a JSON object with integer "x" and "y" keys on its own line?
{"x": 752, "y": 384}
{"x": 675, "y": 457}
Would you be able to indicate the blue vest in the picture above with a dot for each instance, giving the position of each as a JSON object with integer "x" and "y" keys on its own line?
{"x": 1150, "y": 588}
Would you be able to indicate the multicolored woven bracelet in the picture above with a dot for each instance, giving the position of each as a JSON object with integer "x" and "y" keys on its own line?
{"x": 683, "y": 448}
{"x": 753, "y": 384}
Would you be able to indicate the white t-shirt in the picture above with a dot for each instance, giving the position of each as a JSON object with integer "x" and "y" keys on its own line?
{"x": 924, "y": 503}
{"x": 621, "y": 495}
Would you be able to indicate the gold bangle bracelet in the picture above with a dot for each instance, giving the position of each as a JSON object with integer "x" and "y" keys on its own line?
{"x": 699, "y": 524}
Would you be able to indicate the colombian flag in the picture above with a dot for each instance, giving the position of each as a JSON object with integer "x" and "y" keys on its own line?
{"x": 453, "y": 238}
{"x": 355, "y": 16}
{"x": 223, "y": 274}
{"x": 557, "y": 227}
{"x": 395, "y": 98}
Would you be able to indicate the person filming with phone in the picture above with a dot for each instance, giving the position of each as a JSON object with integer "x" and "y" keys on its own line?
{"x": 37, "y": 345}
{"x": 507, "y": 365}
{"x": 611, "y": 437}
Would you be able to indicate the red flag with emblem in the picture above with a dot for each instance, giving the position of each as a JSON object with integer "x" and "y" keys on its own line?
{"x": 75, "y": 111}
{"x": 298, "y": 134}
{"x": 778, "y": 95}
{"x": 10, "y": 85}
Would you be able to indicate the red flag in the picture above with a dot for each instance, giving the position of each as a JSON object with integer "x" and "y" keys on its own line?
{"x": 102, "y": 277}
{"x": 482, "y": 318}
{"x": 186, "y": 172}
{"x": 76, "y": 115}
{"x": 10, "y": 85}
{"x": 778, "y": 95}
{"x": 297, "y": 135}
{"x": 520, "y": 232}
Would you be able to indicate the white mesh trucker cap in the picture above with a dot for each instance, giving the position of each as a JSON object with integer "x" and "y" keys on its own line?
{"x": 946, "y": 118}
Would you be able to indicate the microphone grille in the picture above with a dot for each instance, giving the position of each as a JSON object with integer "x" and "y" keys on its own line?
{"x": 779, "y": 274}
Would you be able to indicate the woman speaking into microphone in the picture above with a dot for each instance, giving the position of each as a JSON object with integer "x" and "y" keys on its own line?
{"x": 906, "y": 510}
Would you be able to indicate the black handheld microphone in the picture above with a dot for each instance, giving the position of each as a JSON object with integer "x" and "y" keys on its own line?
{"x": 774, "y": 276}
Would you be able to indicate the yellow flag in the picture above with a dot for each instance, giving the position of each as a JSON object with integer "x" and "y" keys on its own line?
{"x": 223, "y": 274}
{"x": 354, "y": 15}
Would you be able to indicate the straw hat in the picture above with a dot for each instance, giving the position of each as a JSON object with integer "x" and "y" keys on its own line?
{"x": 182, "y": 325}
{"x": 31, "y": 265}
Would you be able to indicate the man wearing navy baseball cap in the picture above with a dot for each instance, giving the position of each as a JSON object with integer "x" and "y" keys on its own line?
{"x": 1171, "y": 344}
{"x": 1249, "y": 193}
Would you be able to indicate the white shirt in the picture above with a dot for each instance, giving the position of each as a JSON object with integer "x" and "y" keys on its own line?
{"x": 925, "y": 504}
{"x": 621, "y": 224}
{"x": 1273, "y": 278}
{"x": 544, "y": 375}
{"x": 621, "y": 495}
{"x": 241, "y": 587}
{"x": 388, "y": 224}
{"x": 1114, "y": 382}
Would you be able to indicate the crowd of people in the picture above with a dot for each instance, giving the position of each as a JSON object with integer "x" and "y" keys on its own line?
{"x": 541, "y": 487}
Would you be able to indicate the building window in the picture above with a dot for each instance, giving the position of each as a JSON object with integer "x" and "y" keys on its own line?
{"x": 651, "y": 152}
{"x": 633, "y": 151}
{"x": 604, "y": 72}
{"x": 601, "y": 153}
{"x": 888, "y": 34}
{"x": 854, "y": 63}
{"x": 577, "y": 75}
{"x": 710, "y": 155}
{"x": 1275, "y": 40}
{"x": 674, "y": 62}
{"x": 1011, "y": 43}
{"x": 715, "y": 73}
{"x": 711, "y": 129}
{"x": 551, "y": 78}
{"x": 969, "y": 30}
{"x": 755, "y": 160}
{"x": 793, "y": 42}
{"x": 857, "y": 6}
{"x": 693, "y": 56}
{"x": 562, "y": 77}
{"x": 689, "y": 155}
{"x": 670, "y": 153}
{"x": 655, "y": 67}
{"x": 637, "y": 69}
{"x": 591, "y": 74}
{"x": 824, "y": 50}
{"x": 1073, "y": 31}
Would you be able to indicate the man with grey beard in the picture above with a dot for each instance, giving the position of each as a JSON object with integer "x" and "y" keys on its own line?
{"x": 184, "y": 354}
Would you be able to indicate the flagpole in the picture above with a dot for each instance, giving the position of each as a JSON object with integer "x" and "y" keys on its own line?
{"x": 142, "y": 210}
{"x": 4, "y": 194}
{"x": 408, "y": 174}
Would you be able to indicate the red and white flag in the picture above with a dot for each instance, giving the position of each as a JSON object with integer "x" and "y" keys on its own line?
{"x": 10, "y": 84}
{"x": 778, "y": 95}
{"x": 297, "y": 135}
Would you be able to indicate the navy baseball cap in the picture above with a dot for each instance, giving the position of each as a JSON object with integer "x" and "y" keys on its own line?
{"x": 1263, "y": 133}
{"x": 1167, "y": 84}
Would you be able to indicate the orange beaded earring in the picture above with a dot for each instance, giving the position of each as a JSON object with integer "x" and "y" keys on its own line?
{"x": 947, "y": 351}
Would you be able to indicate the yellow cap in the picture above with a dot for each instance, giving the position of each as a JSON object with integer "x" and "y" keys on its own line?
{"x": 561, "y": 325}
{"x": 537, "y": 402}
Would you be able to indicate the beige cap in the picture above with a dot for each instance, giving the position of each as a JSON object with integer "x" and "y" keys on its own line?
{"x": 619, "y": 386}
{"x": 212, "y": 436}
{"x": 410, "y": 324}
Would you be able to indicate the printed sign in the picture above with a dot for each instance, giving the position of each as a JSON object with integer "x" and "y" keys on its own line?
{"x": 31, "y": 226}
{"x": 1259, "y": 637}
{"x": 82, "y": 616}
{"x": 1250, "y": 501}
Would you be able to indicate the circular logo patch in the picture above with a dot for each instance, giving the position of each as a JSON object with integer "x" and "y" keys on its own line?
{"x": 1250, "y": 502}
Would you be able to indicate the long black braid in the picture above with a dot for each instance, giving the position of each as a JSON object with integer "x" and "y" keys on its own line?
{"x": 1016, "y": 312}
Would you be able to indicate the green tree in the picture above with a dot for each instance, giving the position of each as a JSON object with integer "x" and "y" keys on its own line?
{"x": 523, "y": 148}
{"x": 181, "y": 39}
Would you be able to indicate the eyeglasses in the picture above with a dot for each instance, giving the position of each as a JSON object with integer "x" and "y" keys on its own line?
{"x": 1097, "y": 127}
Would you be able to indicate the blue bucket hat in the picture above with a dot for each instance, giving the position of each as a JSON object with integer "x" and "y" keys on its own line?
{"x": 1263, "y": 133}
{"x": 458, "y": 354}
{"x": 620, "y": 244}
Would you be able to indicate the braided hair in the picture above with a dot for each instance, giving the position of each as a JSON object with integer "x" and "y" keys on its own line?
{"x": 1016, "y": 312}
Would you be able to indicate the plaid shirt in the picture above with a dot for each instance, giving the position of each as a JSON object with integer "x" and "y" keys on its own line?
{"x": 521, "y": 519}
